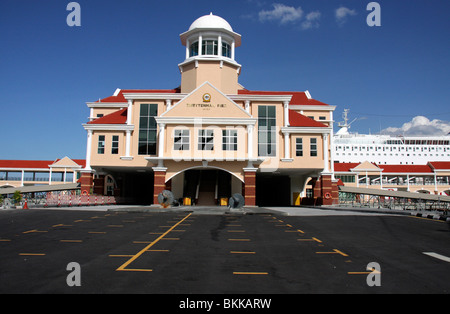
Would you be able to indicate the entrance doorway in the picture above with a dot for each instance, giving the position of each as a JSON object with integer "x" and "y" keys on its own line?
{"x": 206, "y": 186}
{"x": 273, "y": 190}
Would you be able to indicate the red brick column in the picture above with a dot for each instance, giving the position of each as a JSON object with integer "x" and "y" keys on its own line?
{"x": 335, "y": 192}
{"x": 86, "y": 182}
{"x": 327, "y": 189}
{"x": 159, "y": 183}
{"x": 250, "y": 186}
{"x": 99, "y": 185}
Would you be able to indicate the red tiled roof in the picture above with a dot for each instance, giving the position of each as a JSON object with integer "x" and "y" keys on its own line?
{"x": 81, "y": 162}
{"x": 406, "y": 168}
{"x": 345, "y": 166}
{"x": 121, "y": 98}
{"x": 117, "y": 117}
{"x": 297, "y": 119}
{"x": 34, "y": 164}
{"x": 298, "y": 98}
{"x": 440, "y": 165}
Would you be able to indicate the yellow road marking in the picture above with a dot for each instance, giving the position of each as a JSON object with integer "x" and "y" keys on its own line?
{"x": 426, "y": 218}
{"x": 312, "y": 239}
{"x": 363, "y": 272}
{"x": 97, "y": 232}
{"x": 5, "y": 240}
{"x": 31, "y": 254}
{"x": 241, "y": 252}
{"x": 335, "y": 251}
{"x": 34, "y": 230}
{"x": 124, "y": 265}
{"x": 77, "y": 241}
{"x": 249, "y": 273}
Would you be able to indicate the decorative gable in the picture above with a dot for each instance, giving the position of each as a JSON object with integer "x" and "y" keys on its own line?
{"x": 206, "y": 101}
{"x": 366, "y": 166}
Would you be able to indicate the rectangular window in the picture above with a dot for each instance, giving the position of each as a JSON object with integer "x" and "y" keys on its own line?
{"x": 226, "y": 50}
{"x": 313, "y": 147}
{"x": 101, "y": 144}
{"x": 299, "y": 147}
{"x": 266, "y": 131}
{"x": 205, "y": 139}
{"x": 181, "y": 140}
{"x": 147, "y": 129}
{"x": 209, "y": 47}
{"x": 229, "y": 139}
{"x": 115, "y": 145}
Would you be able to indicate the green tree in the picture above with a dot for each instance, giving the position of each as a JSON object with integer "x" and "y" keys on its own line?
{"x": 17, "y": 197}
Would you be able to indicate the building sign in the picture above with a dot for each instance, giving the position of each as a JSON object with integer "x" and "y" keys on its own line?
{"x": 206, "y": 105}
{"x": 206, "y": 97}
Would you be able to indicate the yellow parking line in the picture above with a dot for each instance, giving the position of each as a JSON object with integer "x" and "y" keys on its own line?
{"x": 312, "y": 239}
{"x": 242, "y": 252}
{"x": 34, "y": 230}
{"x": 31, "y": 254}
{"x": 249, "y": 273}
{"x": 124, "y": 265}
{"x": 335, "y": 251}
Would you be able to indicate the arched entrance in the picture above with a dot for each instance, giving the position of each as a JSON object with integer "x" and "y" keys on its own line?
{"x": 204, "y": 186}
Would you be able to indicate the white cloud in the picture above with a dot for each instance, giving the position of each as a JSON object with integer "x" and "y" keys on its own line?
{"x": 312, "y": 20}
{"x": 282, "y": 13}
{"x": 342, "y": 13}
{"x": 420, "y": 126}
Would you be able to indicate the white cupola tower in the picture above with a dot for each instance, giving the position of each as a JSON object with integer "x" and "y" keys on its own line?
{"x": 210, "y": 55}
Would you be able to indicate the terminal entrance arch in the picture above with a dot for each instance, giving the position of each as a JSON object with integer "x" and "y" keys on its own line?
{"x": 204, "y": 186}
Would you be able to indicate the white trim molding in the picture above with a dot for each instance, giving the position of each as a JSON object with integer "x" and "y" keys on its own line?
{"x": 108, "y": 127}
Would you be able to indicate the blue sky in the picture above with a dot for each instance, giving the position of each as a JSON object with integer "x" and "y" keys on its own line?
{"x": 387, "y": 75}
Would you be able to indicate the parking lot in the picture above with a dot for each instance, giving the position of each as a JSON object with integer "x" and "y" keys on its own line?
{"x": 180, "y": 252}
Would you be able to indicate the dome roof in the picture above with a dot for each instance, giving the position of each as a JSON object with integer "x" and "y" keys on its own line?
{"x": 210, "y": 21}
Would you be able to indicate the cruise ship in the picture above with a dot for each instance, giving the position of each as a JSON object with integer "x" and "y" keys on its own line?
{"x": 387, "y": 149}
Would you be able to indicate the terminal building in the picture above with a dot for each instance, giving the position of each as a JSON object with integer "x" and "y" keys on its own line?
{"x": 210, "y": 137}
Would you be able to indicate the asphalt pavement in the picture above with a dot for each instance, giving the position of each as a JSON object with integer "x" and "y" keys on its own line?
{"x": 148, "y": 249}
